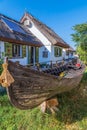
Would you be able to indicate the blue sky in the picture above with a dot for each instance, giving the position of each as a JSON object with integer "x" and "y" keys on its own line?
{"x": 60, "y": 15}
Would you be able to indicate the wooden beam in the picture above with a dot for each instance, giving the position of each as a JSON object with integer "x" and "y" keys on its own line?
{"x": 51, "y": 104}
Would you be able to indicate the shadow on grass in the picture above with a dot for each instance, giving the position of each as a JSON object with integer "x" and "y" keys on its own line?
{"x": 73, "y": 105}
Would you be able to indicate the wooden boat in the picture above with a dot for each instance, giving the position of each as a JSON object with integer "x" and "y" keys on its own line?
{"x": 32, "y": 87}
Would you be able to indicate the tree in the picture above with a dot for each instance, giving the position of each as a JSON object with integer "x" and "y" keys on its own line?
{"x": 80, "y": 37}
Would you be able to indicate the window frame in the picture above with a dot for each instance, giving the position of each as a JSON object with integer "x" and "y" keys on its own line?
{"x": 16, "y": 50}
{"x": 57, "y": 51}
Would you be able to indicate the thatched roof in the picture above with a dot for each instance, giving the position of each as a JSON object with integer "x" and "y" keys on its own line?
{"x": 15, "y": 32}
{"x": 71, "y": 49}
{"x": 46, "y": 31}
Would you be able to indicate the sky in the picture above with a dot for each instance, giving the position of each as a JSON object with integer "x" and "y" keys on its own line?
{"x": 60, "y": 15}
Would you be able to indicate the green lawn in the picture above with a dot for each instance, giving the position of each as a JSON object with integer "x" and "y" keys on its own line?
{"x": 72, "y": 114}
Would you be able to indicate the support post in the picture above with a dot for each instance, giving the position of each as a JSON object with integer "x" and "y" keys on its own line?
{"x": 27, "y": 54}
{"x": 34, "y": 56}
{"x": 51, "y": 104}
{"x": 20, "y": 50}
{"x": 51, "y": 64}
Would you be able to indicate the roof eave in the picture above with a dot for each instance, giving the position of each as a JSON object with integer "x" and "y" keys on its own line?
{"x": 62, "y": 45}
{"x": 19, "y": 42}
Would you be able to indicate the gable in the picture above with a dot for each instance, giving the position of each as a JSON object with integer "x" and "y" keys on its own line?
{"x": 45, "y": 30}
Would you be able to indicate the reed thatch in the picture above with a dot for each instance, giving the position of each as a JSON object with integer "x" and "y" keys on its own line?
{"x": 71, "y": 49}
{"x": 46, "y": 31}
{"x": 8, "y": 35}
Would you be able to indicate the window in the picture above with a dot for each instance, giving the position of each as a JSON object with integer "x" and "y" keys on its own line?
{"x": 45, "y": 54}
{"x": 24, "y": 51}
{"x": 15, "y": 50}
{"x": 57, "y": 51}
{"x": 37, "y": 54}
{"x": 8, "y": 50}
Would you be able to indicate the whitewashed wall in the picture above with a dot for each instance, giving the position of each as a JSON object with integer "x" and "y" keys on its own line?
{"x": 22, "y": 61}
{"x": 40, "y": 36}
{"x": 44, "y": 40}
{"x": 41, "y": 58}
{"x": 64, "y": 54}
{"x": 1, "y": 48}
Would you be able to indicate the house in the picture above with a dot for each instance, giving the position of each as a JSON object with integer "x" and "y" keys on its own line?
{"x": 30, "y": 41}
{"x": 54, "y": 47}
{"x": 70, "y": 53}
{"x": 15, "y": 40}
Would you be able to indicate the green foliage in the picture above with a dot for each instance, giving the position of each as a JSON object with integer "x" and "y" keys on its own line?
{"x": 82, "y": 54}
{"x": 80, "y": 37}
{"x": 24, "y": 51}
{"x": 1, "y": 62}
{"x": 8, "y": 50}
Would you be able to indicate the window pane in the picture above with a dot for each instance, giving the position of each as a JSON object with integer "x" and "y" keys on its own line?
{"x": 24, "y": 50}
{"x": 15, "y": 50}
{"x": 45, "y": 54}
{"x": 8, "y": 50}
{"x": 57, "y": 51}
{"x": 60, "y": 52}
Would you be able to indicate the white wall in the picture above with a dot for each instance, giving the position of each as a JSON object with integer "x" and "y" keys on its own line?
{"x": 1, "y": 48}
{"x": 44, "y": 40}
{"x": 40, "y": 36}
{"x": 41, "y": 58}
{"x": 64, "y": 54}
{"x": 22, "y": 61}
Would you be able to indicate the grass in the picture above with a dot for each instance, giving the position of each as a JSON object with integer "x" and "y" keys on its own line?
{"x": 72, "y": 114}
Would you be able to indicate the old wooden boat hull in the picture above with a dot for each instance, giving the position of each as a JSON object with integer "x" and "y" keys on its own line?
{"x": 31, "y": 87}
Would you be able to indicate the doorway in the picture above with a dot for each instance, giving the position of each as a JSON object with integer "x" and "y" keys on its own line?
{"x": 33, "y": 55}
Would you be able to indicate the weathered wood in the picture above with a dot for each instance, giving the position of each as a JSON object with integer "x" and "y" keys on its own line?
{"x": 51, "y": 104}
{"x": 31, "y": 87}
